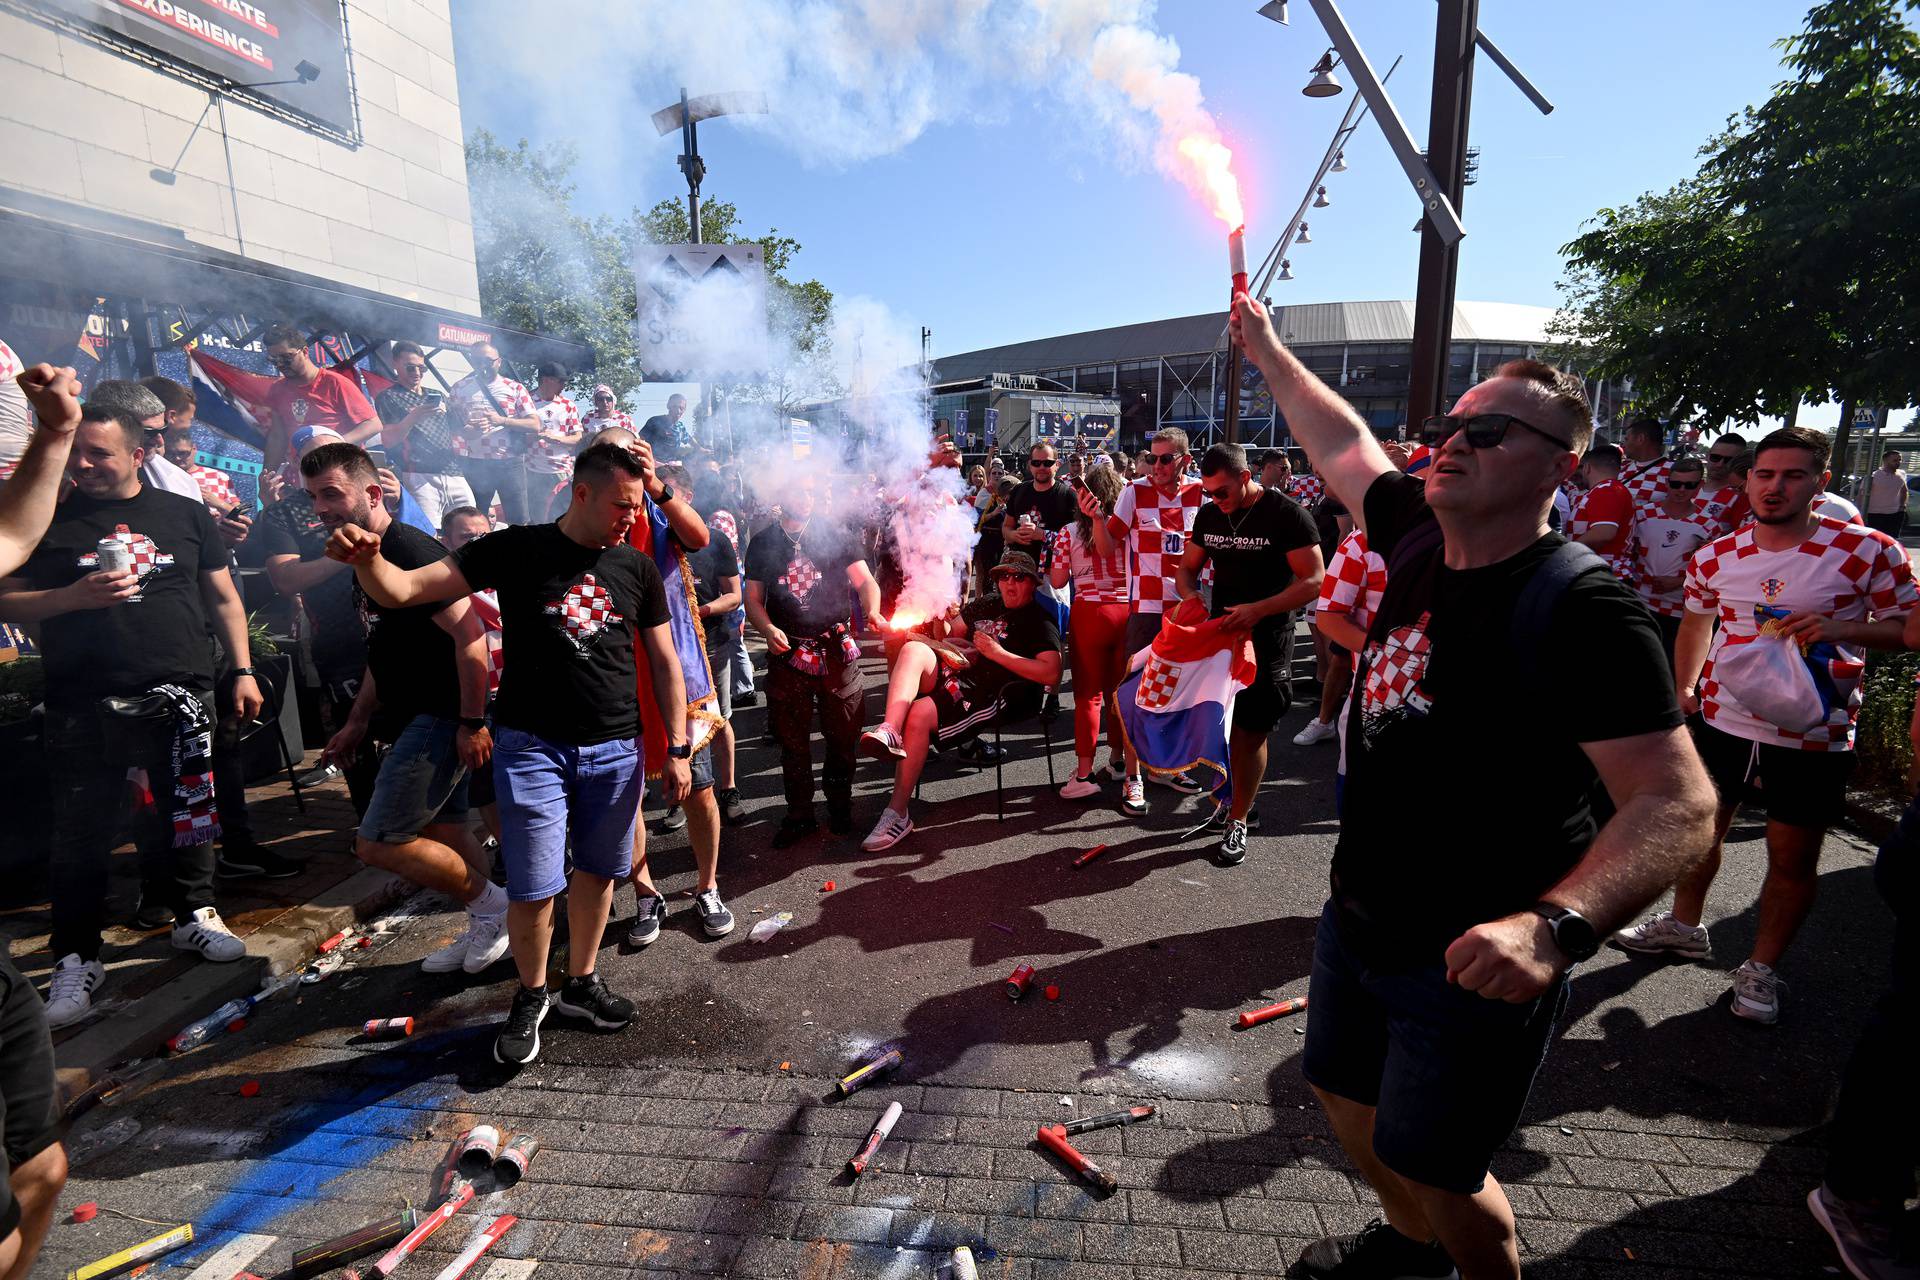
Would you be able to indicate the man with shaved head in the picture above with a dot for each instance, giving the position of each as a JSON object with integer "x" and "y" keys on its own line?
{"x": 1440, "y": 964}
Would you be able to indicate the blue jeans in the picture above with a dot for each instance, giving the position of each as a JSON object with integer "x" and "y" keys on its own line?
{"x": 554, "y": 796}
{"x": 740, "y": 667}
{"x": 421, "y": 783}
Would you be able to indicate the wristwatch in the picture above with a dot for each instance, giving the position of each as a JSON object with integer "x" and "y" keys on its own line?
{"x": 1573, "y": 933}
{"x": 475, "y": 723}
{"x": 241, "y": 671}
{"x": 682, "y": 752}
{"x": 666, "y": 494}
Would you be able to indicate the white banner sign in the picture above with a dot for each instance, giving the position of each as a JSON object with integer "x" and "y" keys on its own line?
{"x": 702, "y": 310}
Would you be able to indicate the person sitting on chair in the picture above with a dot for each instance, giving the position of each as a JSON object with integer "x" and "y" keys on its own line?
{"x": 947, "y": 689}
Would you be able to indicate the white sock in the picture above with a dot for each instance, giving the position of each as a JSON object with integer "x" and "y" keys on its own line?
{"x": 491, "y": 902}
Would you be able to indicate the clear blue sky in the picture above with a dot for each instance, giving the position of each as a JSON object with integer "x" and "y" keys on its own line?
{"x": 1015, "y": 222}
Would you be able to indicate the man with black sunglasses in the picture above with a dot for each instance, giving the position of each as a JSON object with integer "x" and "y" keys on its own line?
{"x": 1665, "y": 536}
{"x": 1440, "y": 962}
{"x": 1723, "y": 496}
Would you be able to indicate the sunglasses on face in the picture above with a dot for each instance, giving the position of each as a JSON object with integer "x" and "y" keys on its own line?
{"x": 1683, "y": 484}
{"x": 1040, "y": 462}
{"x": 1484, "y": 430}
{"x": 1162, "y": 459}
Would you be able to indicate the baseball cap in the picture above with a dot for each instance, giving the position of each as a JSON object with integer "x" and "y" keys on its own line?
{"x": 314, "y": 435}
{"x": 1016, "y": 562}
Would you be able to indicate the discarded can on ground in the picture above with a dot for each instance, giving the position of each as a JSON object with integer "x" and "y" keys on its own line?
{"x": 113, "y": 555}
{"x": 511, "y": 1164}
{"x": 330, "y": 1255}
{"x": 1018, "y": 981}
{"x": 478, "y": 1150}
{"x": 1267, "y": 1013}
{"x": 127, "y": 1259}
{"x": 388, "y": 1028}
{"x": 858, "y": 1165}
{"x": 963, "y": 1268}
{"x": 872, "y": 1071}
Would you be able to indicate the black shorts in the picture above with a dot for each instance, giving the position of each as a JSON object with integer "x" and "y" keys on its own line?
{"x": 27, "y": 1110}
{"x": 1800, "y": 788}
{"x": 960, "y": 716}
{"x": 1259, "y": 706}
{"x": 1446, "y": 1071}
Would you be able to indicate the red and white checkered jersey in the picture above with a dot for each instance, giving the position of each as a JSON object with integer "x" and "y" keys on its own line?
{"x": 1095, "y": 578}
{"x": 16, "y": 418}
{"x": 1662, "y": 545}
{"x": 515, "y": 402}
{"x": 594, "y": 423}
{"x": 1727, "y": 508}
{"x": 1155, "y": 527}
{"x": 486, "y": 607}
{"x": 1608, "y": 503}
{"x": 1646, "y": 481}
{"x": 1306, "y": 490}
{"x": 1843, "y": 571}
{"x": 216, "y": 486}
{"x": 723, "y": 522}
{"x": 1355, "y": 579}
{"x": 549, "y": 456}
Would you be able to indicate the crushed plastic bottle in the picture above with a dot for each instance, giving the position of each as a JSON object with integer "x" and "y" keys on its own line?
{"x": 197, "y": 1033}
{"x": 770, "y": 926}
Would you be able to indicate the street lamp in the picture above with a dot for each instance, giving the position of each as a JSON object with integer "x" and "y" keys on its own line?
{"x": 1286, "y": 270}
{"x": 686, "y": 115}
{"x": 1339, "y": 162}
{"x": 1320, "y": 201}
{"x": 1323, "y": 84}
{"x": 1303, "y": 237}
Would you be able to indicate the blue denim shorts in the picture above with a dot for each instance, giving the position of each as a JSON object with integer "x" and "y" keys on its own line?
{"x": 554, "y": 797}
{"x": 421, "y": 783}
{"x": 1447, "y": 1071}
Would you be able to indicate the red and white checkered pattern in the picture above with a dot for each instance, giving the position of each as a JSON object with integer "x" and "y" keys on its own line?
{"x": 148, "y": 558}
{"x": 11, "y": 368}
{"x": 1306, "y": 490}
{"x": 594, "y": 423}
{"x": 561, "y": 417}
{"x": 486, "y": 607}
{"x": 585, "y": 611}
{"x": 1609, "y": 503}
{"x": 1158, "y": 681}
{"x": 515, "y": 402}
{"x": 800, "y": 577}
{"x": 216, "y": 486}
{"x": 723, "y": 522}
{"x": 1155, "y": 527}
{"x": 1846, "y": 572}
{"x": 1662, "y": 545}
{"x": 1727, "y": 508}
{"x": 1646, "y": 481}
{"x": 1396, "y": 669}
{"x": 1096, "y": 579}
{"x": 1355, "y": 580}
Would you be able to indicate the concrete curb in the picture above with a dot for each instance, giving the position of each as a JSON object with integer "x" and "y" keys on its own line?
{"x": 284, "y": 943}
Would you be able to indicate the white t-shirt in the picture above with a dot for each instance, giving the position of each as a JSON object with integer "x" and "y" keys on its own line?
{"x": 161, "y": 474}
{"x": 1662, "y": 545}
{"x": 1886, "y": 492}
{"x": 1835, "y": 507}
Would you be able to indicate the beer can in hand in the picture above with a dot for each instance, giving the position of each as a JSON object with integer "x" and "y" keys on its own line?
{"x": 114, "y": 555}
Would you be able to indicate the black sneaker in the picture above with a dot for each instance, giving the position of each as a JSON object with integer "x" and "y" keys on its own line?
{"x": 588, "y": 997}
{"x": 676, "y": 818}
{"x": 731, "y": 810}
{"x": 714, "y": 916}
{"x": 519, "y": 1041}
{"x": 980, "y": 751}
{"x": 1233, "y": 845}
{"x": 747, "y": 699}
{"x": 793, "y": 830}
{"x": 1185, "y": 784}
{"x": 646, "y": 924}
{"x": 243, "y": 860}
{"x": 1050, "y": 707}
{"x": 840, "y": 818}
{"x": 1374, "y": 1252}
{"x": 151, "y": 915}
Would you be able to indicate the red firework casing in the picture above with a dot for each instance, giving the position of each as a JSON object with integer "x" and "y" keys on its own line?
{"x": 478, "y": 1150}
{"x": 1018, "y": 981}
{"x": 1089, "y": 855}
{"x": 1267, "y": 1013}
{"x": 858, "y": 1165}
{"x": 1237, "y": 258}
{"x": 382, "y": 1028}
{"x": 1054, "y": 1138}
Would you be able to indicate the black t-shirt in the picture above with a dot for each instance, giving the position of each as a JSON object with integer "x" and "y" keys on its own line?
{"x": 660, "y": 436}
{"x": 1467, "y": 794}
{"x": 709, "y": 565}
{"x": 1249, "y": 549}
{"x": 290, "y": 528}
{"x": 806, "y": 581}
{"x": 428, "y": 447}
{"x": 1026, "y": 632}
{"x": 410, "y": 655}
{"x": 567, "y": 617}
{"x": 157, "y": 637}
{"x": 1053, "y": 510}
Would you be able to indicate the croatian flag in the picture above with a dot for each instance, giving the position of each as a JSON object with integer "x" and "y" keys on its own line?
{"x": 1177, "y": 700}
{"x": 231, "y": 401}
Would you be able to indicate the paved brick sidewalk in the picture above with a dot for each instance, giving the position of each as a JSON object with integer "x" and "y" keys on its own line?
{"x": 731, "y": 1173}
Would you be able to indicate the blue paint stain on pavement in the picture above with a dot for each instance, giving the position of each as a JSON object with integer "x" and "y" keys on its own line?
{"x": 328, "y": 1141}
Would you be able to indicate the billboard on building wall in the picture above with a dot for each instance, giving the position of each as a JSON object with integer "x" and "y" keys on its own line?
{"x": 242, "y": 42}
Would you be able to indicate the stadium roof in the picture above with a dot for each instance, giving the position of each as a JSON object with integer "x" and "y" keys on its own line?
{"x": 1307, "y": 325}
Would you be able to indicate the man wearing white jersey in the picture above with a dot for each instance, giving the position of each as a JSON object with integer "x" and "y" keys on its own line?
{"x": 1665, "y": 536}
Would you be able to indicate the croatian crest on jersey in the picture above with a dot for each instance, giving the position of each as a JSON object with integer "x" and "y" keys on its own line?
{"x": 1395, "y": 672}
{"x": 1772, "y": 589}
{"x": 148, "y": 559}
{"x": 800, "y": 577}
{"x": 585, "y": 612}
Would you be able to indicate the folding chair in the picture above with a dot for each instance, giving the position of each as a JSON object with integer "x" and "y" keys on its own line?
{"x": 269, "y": 721}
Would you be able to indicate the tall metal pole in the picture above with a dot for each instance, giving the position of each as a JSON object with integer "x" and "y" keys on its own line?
{"x": 1453, "y": 45}
{"x": 690, "y": 164}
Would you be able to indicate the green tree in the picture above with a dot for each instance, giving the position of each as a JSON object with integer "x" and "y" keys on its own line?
{"x": 1784, "y": 269}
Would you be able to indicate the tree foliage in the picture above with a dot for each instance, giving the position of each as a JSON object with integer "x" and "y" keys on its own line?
{"x": 1785, "y": 268}
{"x": 546, "y": 268}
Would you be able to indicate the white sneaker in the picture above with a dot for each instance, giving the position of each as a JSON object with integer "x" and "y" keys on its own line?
{"x": 449, "y": 957}
{"x": 70, "y": 993}
{"x": 1315, "y": 731}
{"x": 888, "y": 832}
{"x": 1133, "y": 796}
{"x": 881, "y": 741}
{"x": 1756, "y": 993}
{"x": 208, "y": 934}
{"x": 1661, "y": 932}
{"x": 486, "y": 942}
{"x": 1080, "y": 789}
